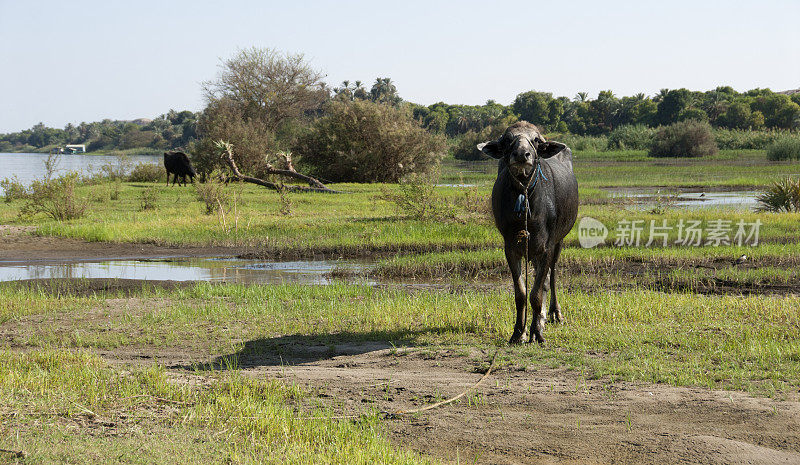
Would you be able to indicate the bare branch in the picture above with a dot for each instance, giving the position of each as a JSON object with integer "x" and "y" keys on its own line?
{"x": 227, "y": 156}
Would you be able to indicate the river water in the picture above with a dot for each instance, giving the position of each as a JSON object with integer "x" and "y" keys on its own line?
{"x": 30, "y": 166}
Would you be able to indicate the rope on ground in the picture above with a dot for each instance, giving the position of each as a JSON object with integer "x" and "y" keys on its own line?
{"x": 446, "y": 401}
{"x": 400, "y": 413}
{"x": 14, "y": 453}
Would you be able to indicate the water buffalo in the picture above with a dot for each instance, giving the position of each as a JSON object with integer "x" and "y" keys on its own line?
{"x": 178, "y": 164}
{"x": 534, "y": 181}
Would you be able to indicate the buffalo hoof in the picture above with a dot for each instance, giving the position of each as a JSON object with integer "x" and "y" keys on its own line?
{"x": 556, "y": 317}
{"x": 518, "y": 338}
{"x": 538, "y": 338}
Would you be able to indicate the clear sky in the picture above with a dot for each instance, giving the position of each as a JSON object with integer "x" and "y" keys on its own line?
{"x": 73, "y": 61}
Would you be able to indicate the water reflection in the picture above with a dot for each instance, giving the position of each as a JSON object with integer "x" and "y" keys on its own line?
{"x": 648, "y": 197}
{"x": 213, "y": 270}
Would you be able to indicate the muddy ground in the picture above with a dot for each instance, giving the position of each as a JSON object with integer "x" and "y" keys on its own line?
{"x": 17, "y": 244}
{"x": 518, "y": 415}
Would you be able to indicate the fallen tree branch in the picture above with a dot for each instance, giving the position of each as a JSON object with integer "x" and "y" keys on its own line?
{"x": 315, "y": 185}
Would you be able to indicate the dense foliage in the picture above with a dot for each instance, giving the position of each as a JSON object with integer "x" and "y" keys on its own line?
{"x": 785, "y": 148}
{"x": 629, "y": 137}
{"x": 690, "y": 138}
{"x": 467, "y": 146}
{"x": 168, "y": 131}
{"x": 364, "y": 141}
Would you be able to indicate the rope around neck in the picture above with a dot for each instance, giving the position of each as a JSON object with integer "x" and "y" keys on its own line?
{"x": 524, "y": 234}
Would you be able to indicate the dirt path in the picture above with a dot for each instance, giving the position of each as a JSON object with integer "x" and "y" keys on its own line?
{"x": 544, "y": 415}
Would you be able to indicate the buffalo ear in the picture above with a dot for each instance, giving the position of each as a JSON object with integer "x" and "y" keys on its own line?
{"x": 548, "y": 149}
{"x": 491, "y": 148}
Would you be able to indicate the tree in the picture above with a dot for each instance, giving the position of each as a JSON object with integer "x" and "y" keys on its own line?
{"x": 224, "y": 119}
{"x": 779, "y": 110}
{"x": 737, "y": 116}
{"x": 269, "y": 86}
{"x": 606, "y": 110}
{"x": 671, "y": 104}
{"x": 364, "y": 141}
{"x": 533, "y": 107}
{"x": 384, "y": 91}
{"x": 692, "y": 113}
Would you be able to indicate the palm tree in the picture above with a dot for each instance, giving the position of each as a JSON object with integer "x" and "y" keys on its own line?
{"x": 660, "y": 95}
{"x": 384, "y": 91}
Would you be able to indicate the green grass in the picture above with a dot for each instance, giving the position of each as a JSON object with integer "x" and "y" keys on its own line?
{"x": 703, "y": 278}
{"x": 145, "y": 416}
{"x": 28, "y": 302}
{"x": 740, "y": 342}
{"x": 739, "y": 169}
{"x": 357, "y": 223}
{"x": 363, "y": 221}
{"x": 491, "y": 262}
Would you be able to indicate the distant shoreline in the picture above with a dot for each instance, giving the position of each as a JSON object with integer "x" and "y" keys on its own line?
{"x": 127, "y": 152}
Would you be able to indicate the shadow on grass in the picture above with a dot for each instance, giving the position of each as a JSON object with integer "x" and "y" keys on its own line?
{"x": 298, "y": 349}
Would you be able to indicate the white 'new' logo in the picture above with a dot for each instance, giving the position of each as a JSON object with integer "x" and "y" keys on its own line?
{"x": 591, "y": 232}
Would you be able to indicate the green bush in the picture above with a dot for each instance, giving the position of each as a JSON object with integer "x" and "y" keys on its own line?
{"x": 55, "y": 198}
{"x": 363, "y": 141}
{"x": 13, "y": 189}
{"x": 684, "y": 139}
{"x": 783, "y": 195}
{"x": 630, "y": 137}
{"x": 214, "y": 194}
{"x": 466, "y": 146}
{"x": 146, "y": 172}
{"x": 417, "y": 198}
{"x": 149, "y": 199}
{"x": 785, "y": 148}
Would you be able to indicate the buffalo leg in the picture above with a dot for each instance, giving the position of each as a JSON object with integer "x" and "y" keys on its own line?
{"x": 520, "y": 294}
{"x": 537, "y": 299}
{"x": 554, "y": 313}
{"x": 168, "y": 178}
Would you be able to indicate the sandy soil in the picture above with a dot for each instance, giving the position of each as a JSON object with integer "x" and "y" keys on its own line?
{"x": 539, "y": 415}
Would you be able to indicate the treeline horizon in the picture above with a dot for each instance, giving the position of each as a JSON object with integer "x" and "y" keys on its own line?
{"x": 722, "y": 107}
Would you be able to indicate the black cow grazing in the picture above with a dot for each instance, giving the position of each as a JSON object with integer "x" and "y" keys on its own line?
{"x": 178, "y": 164}
{"x": 534, "y": 181}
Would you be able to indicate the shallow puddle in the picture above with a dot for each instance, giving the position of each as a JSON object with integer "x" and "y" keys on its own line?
{"x": 211, "y": 269}
{"x": 648, "y": 198}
